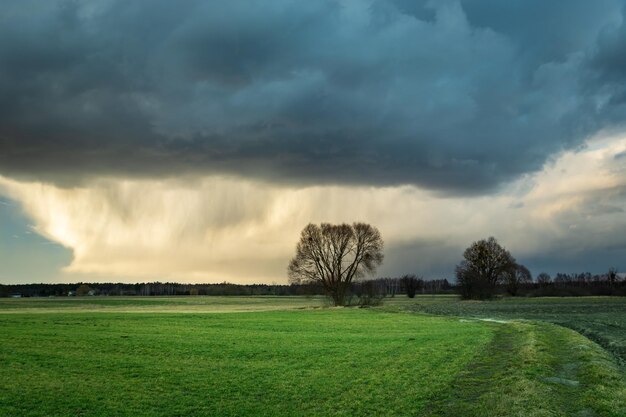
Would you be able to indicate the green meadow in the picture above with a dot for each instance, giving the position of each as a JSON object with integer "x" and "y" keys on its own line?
{"x": 602, "y": 319}
{"x": 174, "y": 304}
{"x": 292, "y": 356}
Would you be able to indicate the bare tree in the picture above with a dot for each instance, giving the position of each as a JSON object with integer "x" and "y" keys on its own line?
{"x": 369, "y": 293}
{"x": 391, "y": 286}
{"x": 412, "y": 284}
{"x": 335, "y": 255}
{"x": 612, "y": 276}
{"x": 543, "y": 279}
{"x": 517, "y": 276}
{"x": 484, "y": 266}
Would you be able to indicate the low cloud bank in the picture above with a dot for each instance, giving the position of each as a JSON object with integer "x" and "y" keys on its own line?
{"x": 211, "y": 229}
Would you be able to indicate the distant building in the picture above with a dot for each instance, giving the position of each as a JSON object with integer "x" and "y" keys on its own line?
{"x": 16, "y": 295}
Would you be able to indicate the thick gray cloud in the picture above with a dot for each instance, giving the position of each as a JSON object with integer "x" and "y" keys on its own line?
{"x": 453, "y": 96}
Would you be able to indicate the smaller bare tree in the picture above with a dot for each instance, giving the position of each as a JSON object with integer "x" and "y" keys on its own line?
{"x": 412, "y": 284}
{"x": 516, "y": 277}
{"x": 369, "y": 293}
{"x": 543, "y": 279}
{"x": 484, "y": 266}
{"x": 335, "y": 255}
{"x": 612, "y": 276}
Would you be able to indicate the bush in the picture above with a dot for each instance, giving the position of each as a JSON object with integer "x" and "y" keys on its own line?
{"x": 368, "y": 294}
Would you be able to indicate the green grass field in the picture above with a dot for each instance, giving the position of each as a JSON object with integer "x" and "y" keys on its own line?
{"x": 286, "y": 356}
{"x": 602, "y": 319}
{"x": 182, "y": 304}
{"x": 330, "y": 362}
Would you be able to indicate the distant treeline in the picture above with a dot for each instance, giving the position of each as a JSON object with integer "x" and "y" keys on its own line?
{"x": 565, "y": 285}
{"x": 577, "y": 284}
{"x": 543, "y": 285}
{"x": 152, "y": 289}
{"x": 386, "y": 286}
{"x": 562, "y": 285}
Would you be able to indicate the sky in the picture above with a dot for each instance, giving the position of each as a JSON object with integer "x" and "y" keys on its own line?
{"x": 192, "y": 141}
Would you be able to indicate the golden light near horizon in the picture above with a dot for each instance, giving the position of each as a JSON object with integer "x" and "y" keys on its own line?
{"x": 217, "y": 228}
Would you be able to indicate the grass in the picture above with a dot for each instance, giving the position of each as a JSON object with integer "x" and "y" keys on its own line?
{"x": 316, "y": 363}
{"x": 286, "y": 356}
{"x": 536, "y": 370}
{"x": 182, "y": 304}
{"x": 602, "y": 319}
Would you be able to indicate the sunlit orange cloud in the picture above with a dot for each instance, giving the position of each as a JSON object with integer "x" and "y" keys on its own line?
{"x": 213, "y": 229}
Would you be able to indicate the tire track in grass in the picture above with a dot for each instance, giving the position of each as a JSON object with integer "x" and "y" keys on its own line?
{"x": 535, "y": 370}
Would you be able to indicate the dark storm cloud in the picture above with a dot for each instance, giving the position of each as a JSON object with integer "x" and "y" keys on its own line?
{"x": 431, "y": 258}
{"x": 453, "y": 96}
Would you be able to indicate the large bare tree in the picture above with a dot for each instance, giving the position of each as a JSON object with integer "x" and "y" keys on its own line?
{"x": 335, "y": 255}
